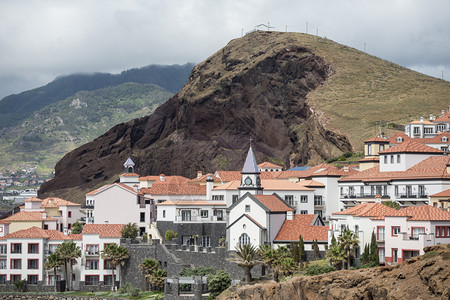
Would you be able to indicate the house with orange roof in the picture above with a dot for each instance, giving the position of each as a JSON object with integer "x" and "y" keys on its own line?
{"x": 441, "y": 200}
{"x": 429, "y": 128}
{"x": 269, "y": 167}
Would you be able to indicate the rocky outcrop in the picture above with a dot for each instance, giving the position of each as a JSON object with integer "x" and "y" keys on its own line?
{"x": 254, "y": 87}
{"x": 424, "y": 277}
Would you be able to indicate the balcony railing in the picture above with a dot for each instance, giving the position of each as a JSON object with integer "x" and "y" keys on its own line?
{"x": 91, "y": 253}
{"x": 363, "y": 195}
{"x": 200, "y": 219}
{"x": 90, "y": 206}
{"x": 412, "y": 196}
{"x": 318, "y": 203}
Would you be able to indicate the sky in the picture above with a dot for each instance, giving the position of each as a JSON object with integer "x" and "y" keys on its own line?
{"x": 43, "y": 39}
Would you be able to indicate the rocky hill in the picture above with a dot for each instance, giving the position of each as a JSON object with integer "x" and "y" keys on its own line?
{"x": 302, "y": 99}
{"x": 424, "y": 277}
{"x": 45, "y": 137}
{"x": 16, "y": 108}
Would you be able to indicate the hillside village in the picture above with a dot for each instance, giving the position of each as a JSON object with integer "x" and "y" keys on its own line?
{"x": 261, "y": 204}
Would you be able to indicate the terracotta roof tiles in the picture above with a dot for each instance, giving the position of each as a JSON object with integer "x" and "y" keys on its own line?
{"x": 411, "y": 146}
{"x": 377, "y": 139}
{"x": 29, "y": 216}
{"x": 423, "y": 213}
{"x": 129, "y": 175}
{"x": 273, "y": 203}
{"x": 445, "y": 193}
{"x": 267, "y": 164}
{"x": 302, "y": 225}
{"x": 33, "y": 199}
{"x": 175, "y": 189}
{"x": 104, "y": 230}
{"x": 191, "y": 203}
{"x": 35, "y": 233}
{"x": 368, "y": 210}
{"x": 57, "y": 202}
{"x": 444, "y": 118}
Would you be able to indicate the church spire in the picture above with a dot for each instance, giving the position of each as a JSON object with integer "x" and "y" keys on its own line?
{"x": 129, "y": 166}
{"x": 250, "y": 165}
{"x": 250, "y": 181}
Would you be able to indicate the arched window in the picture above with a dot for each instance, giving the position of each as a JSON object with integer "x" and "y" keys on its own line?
{"x": 244, "y": 239}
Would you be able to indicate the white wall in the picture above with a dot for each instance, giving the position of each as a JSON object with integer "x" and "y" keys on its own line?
{"x": 256, "y": 212}
{"x": 251, "y": 229}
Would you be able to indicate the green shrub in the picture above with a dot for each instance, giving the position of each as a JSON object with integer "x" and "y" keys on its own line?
{"x": 430, "y": 254}
{"x": 446, "y": 255}
{"x": 130, "y": 290}
{"x": 318, "y": 269}
{"x": 20, "y": 285}
{"x": 218, "y": 283}
{"x": 170, "y": 235}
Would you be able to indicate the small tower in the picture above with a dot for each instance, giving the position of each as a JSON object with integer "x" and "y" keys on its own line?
{"x": 129, "y": 166}
{"x": 250, "y": 181}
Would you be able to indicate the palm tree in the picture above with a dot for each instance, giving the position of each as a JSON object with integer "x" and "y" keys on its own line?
{"x": 336, "y": 255}
{"x": 157, "y": 279}
{"x": 246, "y": 257}
{"x": 349, "y": 242}
{"x": 130, "y": 231}
{"x": 148, "y": 267}
{"x": 115, "y": 255}
{"x": 68, "y": 252}
{"x": 53, "y": 262}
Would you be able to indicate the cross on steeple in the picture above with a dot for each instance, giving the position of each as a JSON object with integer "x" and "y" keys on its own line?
{"x": 250, "y": 140}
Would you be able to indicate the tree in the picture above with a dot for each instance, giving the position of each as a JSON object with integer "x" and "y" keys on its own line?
{"x": 365, "y": 257}
{"x": 392, "y": 204}
{"x": 130, "y": 231}
{"x": 148, "y": 267}
{"x": 316, "y": 249}
{"x": 218, "y": 283}
{"x": 374, "y": 258}
{"x": 170, "y": 235}
{"x": 157, "y": 279}
{"x": 348, "y": 241}
{"x": 246, "y": 257}
{"x": 53, "y": 262}
{"x": 77, "y": 227}
{"x": 336, "y": 255}
{"x": 301, "y": 250}
{"x": 68, "y": 252}
{"x": 115, "y": 255}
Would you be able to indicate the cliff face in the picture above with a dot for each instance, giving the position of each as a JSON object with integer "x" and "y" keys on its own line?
{"x": 254, "y": 87}
{"x": 425, "y": 277}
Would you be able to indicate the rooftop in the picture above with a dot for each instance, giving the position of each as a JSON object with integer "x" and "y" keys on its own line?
{"x": 273, "y": 203}
{"x": 104, "y": 230}
{"x": 302, "y": 225}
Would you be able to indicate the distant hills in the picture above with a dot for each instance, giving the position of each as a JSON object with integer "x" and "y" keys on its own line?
{"x": 16, "y": 108}
{"x": 39, "y": 126}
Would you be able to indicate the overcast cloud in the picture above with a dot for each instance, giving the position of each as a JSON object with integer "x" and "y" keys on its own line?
{"x": 40, "y": 40}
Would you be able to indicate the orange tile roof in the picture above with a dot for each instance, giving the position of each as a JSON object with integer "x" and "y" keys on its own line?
{"x": 273, "y": 203}
{"x": 425, "y": 122}
{"x": 36, "y": 233}
{"x": 57, "y": 202}
{"x": 437, "y": 139}
{"x": 445, "y": 193}
{"x": 33, "y": 199}
{"x": 270, "y": 185}
{"x": 167, "y": 179}
{"x": 76, "y": 236}
{"x": 107, "y": 186}
{"x": 318, "y": 170}
{"x": 227, "y": 176}
{"x": 28, "y": 216}
{"x": 411, "y": 146}
{"x": 377, "y": 139}
{"x": 423, "y": 213}
{"x": 302, "y": 225}
{"x": 104, "y": 230}
{"x": 175, "y": 189}
{"x": 370, "y": 159}
{"x": 311, "y": 183}
{"x": 203, "y": 179}
{"x": 267, "y": 164}
{"x": 368, "y": 210}
{"x": 444, "y": 118}
{"x": 433, "y": 167}
{"x": 190, "y": 203}
{"x": 129, "y": 175}
{"x": 393, "y": 139}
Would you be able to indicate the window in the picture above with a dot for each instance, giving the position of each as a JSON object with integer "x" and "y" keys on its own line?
{"x": 33, "y": 248}
{"x": 303, "y": 212}
{"x": 369, "y": 149}
{"x": 396, "y": 190}
{"x": 91, "y": 265}
{"x": 381, "y": 148}
{"x": 2, "y": 264}
{"x": 385, "y": 159}
{"x": 142, "y": 217}
{"x": 416, "y": 130}
{"x": 421, "y": 191}
{"x": 15, "y": 278}
{"x": 2, "y": 249}
{"x": 164, "y": 213}
{"x": 247, "y": 208}
{"x": 51, "y": 279}
{"x": 52, "y": 248}
{"x": 357, "y": 230}
{"x": 380, "y": 233}
{"x": 304, "y": 199}
{"x": 318, "y": 200}
{"x": 16, "y": 248}
{"x": 32, "y": 279}
{"x": 343, "y": 227}
{"x": 33, "y": 264}
{"x": 16, "y": 264}
{"x": 108, "y": 280}
{"x": 416, "y": 231}
{"x": 185, "y": 215}
{"x": 395, "y": 255}
{"x": 381, "y": 254}
{"x": 395, "y": 230}
{"x": 69, "y": 214}
{"x": 398, "y": 158}
{"x": 234, "y": 198}
{"x": 206, "y": 241}
{"x": 92, "y": 249}
{"x": 443, "y": 231}
{"x": 318, "y": 212}
{"x": 204, "y": 213}
{"x": 289, "y": 199}
{"x": 217, "y": 197}
{"x": 2, "y": 279}
{"x": 361, "y": 190}
{"x": 69, "y": 226}
{"x": 428, "y": 130}
{"x": 91, "y": 280}
{"x": 444, "y": 148}
{"x": 244, "y": 239}
{"x": 392, "y": 159}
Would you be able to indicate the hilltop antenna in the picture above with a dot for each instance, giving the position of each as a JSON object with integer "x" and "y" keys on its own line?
{"x": 286, "y": 28}
{"x": 364, "y": 47}
{"x": 317, "y": 31}
{"x": 306, "y": 27}
{"x": 242, "y": 32}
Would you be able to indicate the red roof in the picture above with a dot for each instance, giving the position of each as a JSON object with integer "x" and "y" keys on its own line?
{"x": 175, "y": 189}
{"x": 107, "y": 186}
{"x": 267, "y": 164}
{"x": 190, "y": 203}
{"x": 393, "y": 139}
{"x": 424, "y": 213}
{"x": 35, "y": 233}
{"x": 445, "y": 193}
{"x": 29, "y": 216}
{"x": 368, "y": 210}
{"x": 317, "y": 171}
{"x": 377, "y": 139}
{"x": 167, "y": 179}
{"x": 57, "y": 202}
{"x": 33, "y": 199}
{"x": 444, "y": 118}
{"x": 104, "y": 230}
{"x": 129, "y": 175}
{"x": 411, "y": 146}
{"x": 273, "y": 203}
{"x": 302, "y": 225}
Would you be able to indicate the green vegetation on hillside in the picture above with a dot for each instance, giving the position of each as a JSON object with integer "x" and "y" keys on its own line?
{"x": 53, "y": 131}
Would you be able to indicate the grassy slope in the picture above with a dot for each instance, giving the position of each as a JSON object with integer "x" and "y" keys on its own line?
{"x": 59, "y": 128}
{"x": 364, "y": 89}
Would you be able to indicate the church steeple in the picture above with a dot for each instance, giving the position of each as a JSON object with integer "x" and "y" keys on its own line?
{"x": 250, "y": 181}
{"x": 129, "y": 166}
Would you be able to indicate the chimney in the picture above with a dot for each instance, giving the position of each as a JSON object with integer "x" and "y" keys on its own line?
{"x": 431, "y": 117}
{"x": 345, "y": 168}
{"x": 377, "y": 199}
{"x": 199, "y": 174}
{"x": 44, "y": 214}
{"x": 290, "y": 215}
{"x": 135, "y": 188}
{"x": 162, "y": 177}
{"x": 421, "y": 119}
{"x": 443, "y": 111}
{"x": 209, "y": 186}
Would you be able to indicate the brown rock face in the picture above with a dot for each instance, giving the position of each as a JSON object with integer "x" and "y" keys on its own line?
{"x": 425, "y": 277}
{"x": 254, "y": 87}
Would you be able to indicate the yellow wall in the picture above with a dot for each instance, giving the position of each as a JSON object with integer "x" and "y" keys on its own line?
{"x": 436, "y": 199}
{"x": 53, "y": 211}
{"x": 367, "y": 165}
{"x": 20, "y": 225}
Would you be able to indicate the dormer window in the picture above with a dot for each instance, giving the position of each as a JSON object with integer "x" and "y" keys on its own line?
{"x": 444, "y": 139}
{"x": 399, "y": 139}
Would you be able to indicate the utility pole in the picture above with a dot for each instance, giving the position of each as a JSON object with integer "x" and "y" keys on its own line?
{"x": 306, "y": 27}
{"x": 286, "y": 28}
{"x": 242, "y": 32}
{"x": 364, "y": 47}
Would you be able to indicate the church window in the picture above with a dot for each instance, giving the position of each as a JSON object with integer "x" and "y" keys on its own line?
{"x": 244, "y": 239}
{"x": 247, "y": 208}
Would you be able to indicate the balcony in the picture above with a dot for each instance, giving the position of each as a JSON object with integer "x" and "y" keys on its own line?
{"x": 362, "y": 196}
{"x": 319, "y": 203}
{"x": 200, "y": 219}
{"x": 86, "y": 206}
{"x": 412, "y": 196}
{"x": 91, "y": 253}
